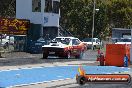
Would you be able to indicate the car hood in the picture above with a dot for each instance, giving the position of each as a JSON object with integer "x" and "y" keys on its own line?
{"x": 57, "y": 45}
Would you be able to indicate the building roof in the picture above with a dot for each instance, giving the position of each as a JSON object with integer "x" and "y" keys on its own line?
{"x": 120, "y": 29}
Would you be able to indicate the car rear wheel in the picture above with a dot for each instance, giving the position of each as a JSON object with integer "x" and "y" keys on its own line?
{"x": 94, "y": 47}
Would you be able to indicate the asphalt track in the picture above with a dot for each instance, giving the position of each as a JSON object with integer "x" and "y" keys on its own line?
{"x": 26, "y": 76}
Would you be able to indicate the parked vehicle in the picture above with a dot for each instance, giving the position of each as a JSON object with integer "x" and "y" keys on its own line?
{"x": 7, "y": 40}
{"x": 64, "y": 47}
{"x": 97, "y": 43}
{"x": 36, "y": 46}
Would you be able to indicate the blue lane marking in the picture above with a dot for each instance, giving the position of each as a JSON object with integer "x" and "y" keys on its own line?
{"x": 34, "y": 75}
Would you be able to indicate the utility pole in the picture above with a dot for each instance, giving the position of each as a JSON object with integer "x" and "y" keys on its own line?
{"x": 93, "y": 23}
{"x": 42, "y": 14}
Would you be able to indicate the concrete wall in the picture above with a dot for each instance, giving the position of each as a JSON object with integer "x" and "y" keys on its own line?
{"x": 24, "y": 11}
{"x": 52, "y": 19}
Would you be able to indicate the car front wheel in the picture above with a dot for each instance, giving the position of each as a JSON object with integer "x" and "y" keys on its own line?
{"x": 68, "y": 55}
{"x": 80, "y": 55}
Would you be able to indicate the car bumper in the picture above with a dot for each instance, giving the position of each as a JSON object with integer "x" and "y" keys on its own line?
{"x": 54, "y": 51}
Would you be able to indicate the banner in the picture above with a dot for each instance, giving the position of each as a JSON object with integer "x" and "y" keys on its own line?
{"x": 14, "y": 26}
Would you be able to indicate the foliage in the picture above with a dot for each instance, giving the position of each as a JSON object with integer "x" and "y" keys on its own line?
{"x": 7, "y": 8}
{"x": 76, "y": 16}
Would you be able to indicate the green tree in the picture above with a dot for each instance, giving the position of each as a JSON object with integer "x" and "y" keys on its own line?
{"x": 7, "y": 8}
{"x": 121, "y": 13}
{"x": 76, "y": 16}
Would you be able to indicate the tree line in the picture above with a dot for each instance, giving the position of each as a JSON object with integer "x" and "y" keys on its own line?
{"x": 7, "y": 8}
{"x": 76, "y": 15}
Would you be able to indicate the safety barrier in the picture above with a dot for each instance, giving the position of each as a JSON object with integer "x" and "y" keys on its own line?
{"x": 117, "y": 55}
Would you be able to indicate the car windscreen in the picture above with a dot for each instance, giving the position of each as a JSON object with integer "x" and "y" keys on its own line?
{"x": 63, "y": 40}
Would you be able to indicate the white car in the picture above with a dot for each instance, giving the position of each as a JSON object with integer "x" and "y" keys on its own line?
{"x": 124, "y": 41}
{"x": 7, "y": 40}
{"x": 96, "y": 42}
{"x": 64, "y": 47}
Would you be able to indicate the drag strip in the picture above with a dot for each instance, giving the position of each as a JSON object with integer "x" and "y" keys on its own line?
{"x": 27, "y": 76}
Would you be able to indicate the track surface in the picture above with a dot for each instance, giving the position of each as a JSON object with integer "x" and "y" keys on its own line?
{"x": 28, "y": 76}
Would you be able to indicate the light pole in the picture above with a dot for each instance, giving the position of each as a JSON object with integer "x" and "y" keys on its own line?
{"x": 93, "y": 24}
{"x": 42, "y": 14}
{"x": 42, "y": 19}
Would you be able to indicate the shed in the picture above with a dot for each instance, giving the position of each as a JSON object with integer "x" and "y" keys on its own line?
{"x": 121, "y": 33}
